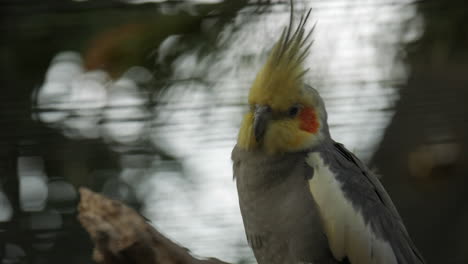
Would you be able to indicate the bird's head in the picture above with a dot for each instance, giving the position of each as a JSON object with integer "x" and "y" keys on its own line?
{"x": 286, "y": 115}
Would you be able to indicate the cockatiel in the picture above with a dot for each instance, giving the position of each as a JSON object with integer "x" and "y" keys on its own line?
{"x": 305, "y": 198}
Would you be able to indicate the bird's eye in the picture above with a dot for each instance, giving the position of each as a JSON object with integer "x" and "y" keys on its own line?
{"x": 294, "y": 110}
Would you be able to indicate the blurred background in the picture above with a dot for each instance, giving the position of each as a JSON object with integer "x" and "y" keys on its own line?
{"x": 141, "y": 101}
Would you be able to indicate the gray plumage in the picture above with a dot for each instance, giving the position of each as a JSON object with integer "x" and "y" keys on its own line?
{"x": 281, "y": 218}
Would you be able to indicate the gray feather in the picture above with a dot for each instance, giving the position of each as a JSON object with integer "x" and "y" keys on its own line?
{"x": 368, "y": 196}
{"x": 280, "y": 217}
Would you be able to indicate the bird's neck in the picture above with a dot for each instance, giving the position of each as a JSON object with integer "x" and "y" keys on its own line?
{"x": 266, "y": 170}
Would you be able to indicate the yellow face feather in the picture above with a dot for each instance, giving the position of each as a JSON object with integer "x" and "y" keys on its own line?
{"x": 279, "y": 85}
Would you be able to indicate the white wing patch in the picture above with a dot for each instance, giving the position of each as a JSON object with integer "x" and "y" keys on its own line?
{"x": 348, "y": 235}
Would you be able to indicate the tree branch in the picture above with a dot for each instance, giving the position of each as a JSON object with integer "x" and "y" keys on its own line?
{"x": 121, "y": 235}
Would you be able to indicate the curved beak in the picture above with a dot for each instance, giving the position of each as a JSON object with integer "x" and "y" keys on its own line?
{"x": 262, "y": 116}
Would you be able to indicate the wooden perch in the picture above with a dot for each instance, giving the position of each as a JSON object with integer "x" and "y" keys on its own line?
{"x": 121, "y": 235}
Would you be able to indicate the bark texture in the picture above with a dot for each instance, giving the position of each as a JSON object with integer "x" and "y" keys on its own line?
{"x": 121, "y": 235}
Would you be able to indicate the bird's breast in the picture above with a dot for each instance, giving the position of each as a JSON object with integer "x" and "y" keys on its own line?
{"x": 279, "y": 213}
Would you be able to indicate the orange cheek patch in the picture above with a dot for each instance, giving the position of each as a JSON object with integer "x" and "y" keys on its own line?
{"x": 309, "y": 120}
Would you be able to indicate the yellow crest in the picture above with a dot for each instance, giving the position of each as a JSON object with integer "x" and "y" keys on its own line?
{"x": 279, "y": 82}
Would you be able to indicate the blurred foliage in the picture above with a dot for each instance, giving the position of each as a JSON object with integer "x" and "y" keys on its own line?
{"x": 112, "y": 36}
{"x": 445, "y": 34}
{"x": 421, "y": 154}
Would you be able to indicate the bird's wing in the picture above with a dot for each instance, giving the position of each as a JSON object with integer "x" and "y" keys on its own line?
{"x": 360, "y": 220}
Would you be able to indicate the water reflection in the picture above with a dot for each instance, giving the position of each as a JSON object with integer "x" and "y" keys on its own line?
{"x": 88, "y": 104}
{"x": 124, "y": 119}
{"x": 33, "y": 186}
{"x": 6, "y": 212}
{"x": 62, "y": 196}
{"x": 13, "y": 254}
{"x": 118, "y": 189}
{"x": 44, "y": 227}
